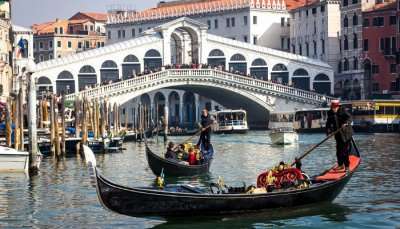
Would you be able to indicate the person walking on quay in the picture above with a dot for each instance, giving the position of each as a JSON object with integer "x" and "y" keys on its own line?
{"x": 205, "y": 125}
{"x": 339, "y": 118}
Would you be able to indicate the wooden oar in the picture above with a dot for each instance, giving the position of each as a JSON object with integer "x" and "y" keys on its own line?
{"x": 315, "y": 146}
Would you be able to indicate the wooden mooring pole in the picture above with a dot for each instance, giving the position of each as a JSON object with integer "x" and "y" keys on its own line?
{"x": 33, "y": 144}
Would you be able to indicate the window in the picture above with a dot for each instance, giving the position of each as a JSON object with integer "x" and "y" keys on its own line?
{"x": 365, "y": 45}
{"x": 288, "y": 43}
{"x": 61, "y": 30}
{"x": 109, "y": 34}
{"x": 340, "y": 45}
{"x": 41, "y": 58}
{"x": 228, "y": 22}
{"x": 102, "y": 44}
{"x": 354, "y": 1}
{"x": 392, "y": 20}
{"x": 288, "y": 22}
{"x": 378, "y": 21}
{"x": 282, "y": 43}
{"x": 209, "y": 24}
{"x": 393, "y": 68}
{"x": 345, "y": 22}
{"x": 355, "y": 41}
{"x": 314, "y": 10}
{"x": 375, "y": 87}
{"x": 255, "y": 20}
{"x": 345, "y": 64}
{"x": 355, "y": 63}
{"x": 323, "y": 46}
{"x": 300, "y": 49}
{"x": 123, "y": 33}
{"x": 315, "y": 27}
{"x": 345, "y": 2}
{"x": 307, "y": 49}
{"x": 216, "y": 23}
{"x": 40, "y": 45}
{"x": 355, "y": 19}
{"x": 79, "y": 45}
{"x": 306, "y": 13}
{"x": 340, "y": 67}
{"x": 91, "y": 28}
{"x": 322, "y": 9}
{"x": 375, "y": 69}
{"x": 346, "y": 43}
{"x": 133, "y": 32}
{"x": 69, "y": 44}
{"x": 59, "y": 44}
{"x": 51, "y": 44}
{"x": 394, "y": 46}
{"x": 56, "y": 30}
{"x": 98, "y": 45}
{"x": 255, "y": 40}
{"x": 245, "y": 38}
{"x": 140, "y": 30}
{"x": 390, "y": 110}
{"x": 87, "y": 44}
{"x": 315, "y": 47}
{"x": 294, "y": 49}
{"x": 282, "y": 21}
{"x": 382, "y": 44}
{"x": 366, "y": 22}
{"x": 244, "y": 20}
{"x": 119, "y": 34}
{"x": 387, "y": 46}
{"x": 233, "y": 22}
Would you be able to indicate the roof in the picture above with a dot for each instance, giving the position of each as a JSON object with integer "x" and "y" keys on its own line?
{"x": 191, "y": 7}
{"x": 90, "y": 15}
{"x": 48, "y": 27}
{"x": 305, "y": 3}
{"x": 391, "y": 5}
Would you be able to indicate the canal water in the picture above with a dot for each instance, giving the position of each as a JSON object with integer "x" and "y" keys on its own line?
{"x": 61, "y": 196}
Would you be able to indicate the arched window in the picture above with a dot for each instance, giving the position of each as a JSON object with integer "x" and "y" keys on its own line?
{"x": 87, "y": 77}
{"x": 322, "y": 84}
{"x": 259, "y": 69}
{"x": 355, "y": 63}
{"x": 345, "y": 43}
{"x": 301, "y": 79}
{"x": 238, "y": 64}
{"x": 355, "y": 19}
{"x": 345, "y": 2}
{"x": 345, "y": 21}
{"x": 130, "y": 67}
{"x": 44, "y": 85}
{"x": 346, "y": 64}
{"x": 216, "y": 58}
{"x": 65, "y": 83}
{"x": 152, "y": 60}
{"x": 355, "y": 41}
{"x": 339, "y": 67}
{"x": 109, "y": 71}
{"x": 280, "y": 74}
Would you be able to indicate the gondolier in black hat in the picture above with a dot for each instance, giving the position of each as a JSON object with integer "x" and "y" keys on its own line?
{"x": 339, "y": 118}
{"x": 205, "y": 125}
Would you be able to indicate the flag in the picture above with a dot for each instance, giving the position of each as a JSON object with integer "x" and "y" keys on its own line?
{"x": 20, "y": 48}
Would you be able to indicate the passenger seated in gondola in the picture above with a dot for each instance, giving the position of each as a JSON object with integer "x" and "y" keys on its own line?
{"x": 171, "y": 153}
{"x": 192, "y": 157}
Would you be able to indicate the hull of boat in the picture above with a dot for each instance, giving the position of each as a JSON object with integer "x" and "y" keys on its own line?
{"x": 14, "y": 162}
{"x": 284, "y": 138}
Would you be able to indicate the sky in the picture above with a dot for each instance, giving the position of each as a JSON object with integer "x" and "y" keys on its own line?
{"x": 28, "y": 12}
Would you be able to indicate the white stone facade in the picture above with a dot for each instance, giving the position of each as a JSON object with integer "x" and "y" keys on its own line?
{"x": 25, "y": 60}
{"x": 315, "y": 31}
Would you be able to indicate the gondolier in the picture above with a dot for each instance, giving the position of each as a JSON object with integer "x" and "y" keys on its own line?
{"x": 339, "y": 118}
{"x": 205, "y": 125}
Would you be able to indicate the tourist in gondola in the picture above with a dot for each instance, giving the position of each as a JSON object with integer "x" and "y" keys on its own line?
{"x": 192, "y": 157}
{"x": 205, "y": 125}
{"x": 171, "y": 154}
{"x": 338, "y": 118}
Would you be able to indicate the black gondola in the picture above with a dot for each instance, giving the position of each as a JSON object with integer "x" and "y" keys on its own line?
{"x": 188, "y": 200}
{"x": 174, "y": 168}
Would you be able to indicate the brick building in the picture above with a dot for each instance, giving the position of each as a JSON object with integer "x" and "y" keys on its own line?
{"x": 380, "y": 28}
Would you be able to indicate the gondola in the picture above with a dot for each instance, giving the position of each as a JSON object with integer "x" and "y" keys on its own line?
{"x": 189, "y": 200}
{"x": 174, "y": 168}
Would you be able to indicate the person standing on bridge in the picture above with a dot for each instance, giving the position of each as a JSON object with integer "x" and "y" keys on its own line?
{"x": 205, "y": 125}
{"x": 339, "y": 118}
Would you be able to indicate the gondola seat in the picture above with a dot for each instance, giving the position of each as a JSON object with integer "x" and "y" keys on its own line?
{"x": 334, "y": 174}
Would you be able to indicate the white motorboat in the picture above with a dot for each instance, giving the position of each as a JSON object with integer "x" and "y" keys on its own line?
{"x": 231, "y": 121}
{"x": 282, "y": 132}
{"x": 12, "y": 160}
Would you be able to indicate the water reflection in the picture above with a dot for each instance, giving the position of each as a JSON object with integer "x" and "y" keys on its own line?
{"x": 62, "y": 196}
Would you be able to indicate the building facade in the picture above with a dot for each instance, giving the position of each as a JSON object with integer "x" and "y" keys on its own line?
{"x": 380, "y": 49}
{"x": 351, "y": 82}
{"x": 62, "y": 37}
{"x": 23, "y": 59}
{"x": 5, "y": 51}
{"x": 315, "y": 31}
{"x": 261, "y": 22}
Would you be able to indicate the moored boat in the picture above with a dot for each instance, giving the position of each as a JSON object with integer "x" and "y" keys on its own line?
{"x": 176, "y": 168}
{"x": 187, "y": 200}
{"x": 230, "y": 122}
{"x": 12, "y": 160}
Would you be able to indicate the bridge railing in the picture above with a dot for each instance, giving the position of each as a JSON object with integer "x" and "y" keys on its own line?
{"x": 102, "y": 91}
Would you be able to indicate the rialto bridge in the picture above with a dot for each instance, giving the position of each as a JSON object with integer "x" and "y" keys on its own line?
{"x": 237, "y": 74}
